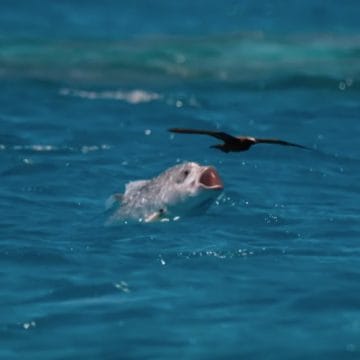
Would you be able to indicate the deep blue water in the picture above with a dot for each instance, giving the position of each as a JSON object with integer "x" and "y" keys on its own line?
{"x": 87, "y": 92}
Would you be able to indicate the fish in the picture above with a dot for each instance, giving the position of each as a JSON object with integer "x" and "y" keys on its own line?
{"x": 184, "y": 189}
{"x": 234, "y": 143}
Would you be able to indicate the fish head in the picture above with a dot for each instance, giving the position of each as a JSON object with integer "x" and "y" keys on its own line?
{"x": 190, "y": 187}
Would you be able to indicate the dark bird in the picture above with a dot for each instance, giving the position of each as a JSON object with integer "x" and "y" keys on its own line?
{"x": 234, "y": 143}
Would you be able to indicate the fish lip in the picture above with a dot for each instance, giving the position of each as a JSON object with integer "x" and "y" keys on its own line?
{"x": 210, "y": 179}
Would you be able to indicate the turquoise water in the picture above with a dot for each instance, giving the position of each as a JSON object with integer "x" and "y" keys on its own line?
{"x": 271, "y": 271}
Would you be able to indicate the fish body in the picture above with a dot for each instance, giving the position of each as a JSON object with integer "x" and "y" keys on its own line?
{"x": 183, "y": 189}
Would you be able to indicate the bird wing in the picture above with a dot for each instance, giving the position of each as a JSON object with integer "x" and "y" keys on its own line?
{"x": 279, "y": 142}
{"x": 217, "y": 134}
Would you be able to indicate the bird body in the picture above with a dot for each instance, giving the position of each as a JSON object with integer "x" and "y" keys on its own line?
{"x": 234, "y": 143}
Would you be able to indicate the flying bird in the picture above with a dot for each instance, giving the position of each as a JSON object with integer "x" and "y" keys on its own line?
{"x": 234, "y": 143}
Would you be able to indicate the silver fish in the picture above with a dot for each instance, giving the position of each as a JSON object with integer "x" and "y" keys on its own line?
{"x": 184, "y": 189}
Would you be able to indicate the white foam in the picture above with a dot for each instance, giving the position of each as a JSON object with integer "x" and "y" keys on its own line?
{"x": 52, "y": 148}
{"x": 132, "y": 97}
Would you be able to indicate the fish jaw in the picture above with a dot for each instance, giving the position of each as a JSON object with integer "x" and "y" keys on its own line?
{"x": 206, "y": 189}
{"x": 210, "y": 179}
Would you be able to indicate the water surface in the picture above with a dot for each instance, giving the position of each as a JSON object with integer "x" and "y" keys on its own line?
{"x": 87, "y": 94}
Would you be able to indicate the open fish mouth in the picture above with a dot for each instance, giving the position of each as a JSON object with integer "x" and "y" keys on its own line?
{"x": 210, "y": 179}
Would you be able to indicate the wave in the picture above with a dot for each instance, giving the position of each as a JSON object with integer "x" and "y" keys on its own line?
{"x": 246, "y": 60}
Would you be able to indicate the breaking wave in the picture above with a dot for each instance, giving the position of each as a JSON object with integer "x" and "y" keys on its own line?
{"x": 254, "y": 60}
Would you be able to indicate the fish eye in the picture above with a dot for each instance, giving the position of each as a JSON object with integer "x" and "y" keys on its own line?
{"x": 184, "y": 174}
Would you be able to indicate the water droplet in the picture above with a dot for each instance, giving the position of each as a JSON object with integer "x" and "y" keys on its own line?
{"x": 349, "y": 81}
{"x": 342, "y": 85}
{"x": 123, "y": 286}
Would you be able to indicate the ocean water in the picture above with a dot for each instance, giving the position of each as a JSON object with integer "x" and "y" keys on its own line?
{"x": 87, "y": 93}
